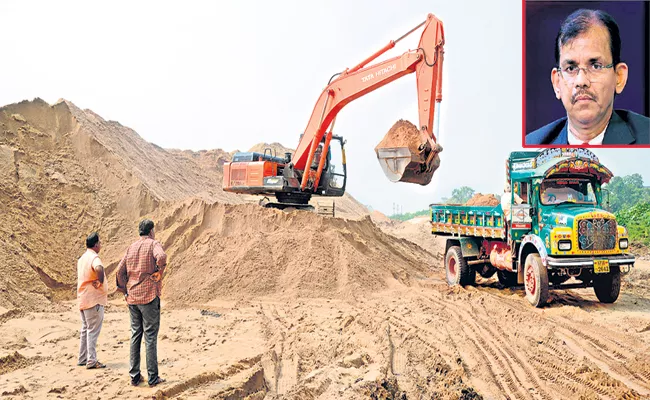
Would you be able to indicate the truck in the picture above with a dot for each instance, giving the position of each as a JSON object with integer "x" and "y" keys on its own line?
{"x": 318, "y": 165}
{"x": 561, "y": 229}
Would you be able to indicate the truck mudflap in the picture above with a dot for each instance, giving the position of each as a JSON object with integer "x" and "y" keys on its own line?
{"x": 588, "y": 262}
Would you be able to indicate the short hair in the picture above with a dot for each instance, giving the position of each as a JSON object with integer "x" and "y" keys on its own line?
{"x": 579, "y": 22}
{"x": 92, "y": 240}
{"x": 146, "y": 225}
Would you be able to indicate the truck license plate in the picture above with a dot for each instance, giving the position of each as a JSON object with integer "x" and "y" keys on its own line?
{"x": 601, "y": 266}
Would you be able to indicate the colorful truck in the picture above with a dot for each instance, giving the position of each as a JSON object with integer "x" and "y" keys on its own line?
{"x": 559, "y": 231}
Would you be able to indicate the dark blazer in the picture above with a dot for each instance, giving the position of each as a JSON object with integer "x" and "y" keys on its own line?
{"x": 625, "y": 127}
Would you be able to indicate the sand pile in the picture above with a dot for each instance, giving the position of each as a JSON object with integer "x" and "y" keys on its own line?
{"x": 483, "y": 200}
{"x": 379, "y": 217}
{"x": 247, "y": 251}
{"x": 418, "y": 231}
{"x": 402, "y": 134}
{"x": 277, "y": 150}
{"x": 65, "y": 172}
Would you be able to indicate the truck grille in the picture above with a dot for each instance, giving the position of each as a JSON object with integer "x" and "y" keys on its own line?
{"x": 597, "y": 234}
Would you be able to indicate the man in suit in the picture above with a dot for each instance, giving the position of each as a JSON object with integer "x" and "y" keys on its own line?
{"x": 589, "y": 74}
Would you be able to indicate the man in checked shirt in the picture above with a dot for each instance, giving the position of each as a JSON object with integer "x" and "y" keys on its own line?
{"x": 139, "y": 276}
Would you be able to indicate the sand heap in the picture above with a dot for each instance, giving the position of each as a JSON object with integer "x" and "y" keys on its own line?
{"x": 402, "y": 134}
{"x": 483, "y": 200}
{"x": 418, "y": 231}
{"x": 277, "y": 150}
{"x": 379, "y": 217}
{"x": 244, "y": 250}
{"x": 65, "y": 172}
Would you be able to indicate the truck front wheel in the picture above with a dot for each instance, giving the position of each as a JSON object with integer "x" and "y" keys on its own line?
{"x": 535, "y": 280}
{"x": 608, "y": 286}
{"x": 456, "y": 268}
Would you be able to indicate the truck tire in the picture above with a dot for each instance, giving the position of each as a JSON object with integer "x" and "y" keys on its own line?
{"x": 535, "y": 280}
{"x": 456, "y": 268}
{"x": 487, "y": 271}
{"x": 507, "y": 278}
{"x": 608, "y": 286}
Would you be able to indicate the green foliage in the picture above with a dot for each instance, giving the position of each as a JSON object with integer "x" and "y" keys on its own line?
{"x": 626, "y": 191}
{"x": 411, "y": 215}
{"x": 637, "y": 221}
{"x": 630, "y": 201}
{"x": 459, "y": 195}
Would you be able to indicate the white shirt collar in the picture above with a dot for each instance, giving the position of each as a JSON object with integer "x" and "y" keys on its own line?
{"x": 573, "y": 140}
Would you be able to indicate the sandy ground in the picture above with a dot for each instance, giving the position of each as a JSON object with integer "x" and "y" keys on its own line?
{"x": 265, "y": 304}
{"x": 422, "y": 341}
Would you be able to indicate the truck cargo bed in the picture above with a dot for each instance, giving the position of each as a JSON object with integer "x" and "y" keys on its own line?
{"x": 478, "y": 221}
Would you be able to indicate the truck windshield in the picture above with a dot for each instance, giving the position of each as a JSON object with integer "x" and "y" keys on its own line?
{"x": 556, "y": 191}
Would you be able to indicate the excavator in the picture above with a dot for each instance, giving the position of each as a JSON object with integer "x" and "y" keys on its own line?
{"x": 318, "y": 165}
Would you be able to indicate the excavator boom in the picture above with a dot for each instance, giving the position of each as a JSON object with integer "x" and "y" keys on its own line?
{"x": 426, "y": 62}
{"x": 310, "y": 170}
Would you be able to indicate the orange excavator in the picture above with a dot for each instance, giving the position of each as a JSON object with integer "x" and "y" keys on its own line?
{"x": 318, "y": 166}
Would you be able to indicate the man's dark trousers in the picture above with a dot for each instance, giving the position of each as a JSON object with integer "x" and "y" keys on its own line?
{"x": 145, "y": 319}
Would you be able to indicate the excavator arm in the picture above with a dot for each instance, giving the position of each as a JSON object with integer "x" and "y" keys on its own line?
{"x": 293, "y": 180}
{"x": 426, "y": 62}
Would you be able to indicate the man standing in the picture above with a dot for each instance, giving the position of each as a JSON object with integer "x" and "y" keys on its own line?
{"x": 588, "y": 75}
{"x": 139, "y": 275}
{"x": 92, "y": 294}
{"x": 505, "y": 203}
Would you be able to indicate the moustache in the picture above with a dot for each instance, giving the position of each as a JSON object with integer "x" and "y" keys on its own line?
{"x": 582, "y": 93}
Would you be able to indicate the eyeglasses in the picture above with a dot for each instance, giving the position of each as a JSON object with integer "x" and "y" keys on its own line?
{"x": 593, "y": 71}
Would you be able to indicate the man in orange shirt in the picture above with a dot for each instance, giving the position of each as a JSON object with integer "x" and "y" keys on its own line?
{"x": 92, "y": 293}
{"x": 139, "y": 276}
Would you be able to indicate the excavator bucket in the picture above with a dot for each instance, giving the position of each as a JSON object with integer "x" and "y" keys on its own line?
{"x": 404, "y": 158}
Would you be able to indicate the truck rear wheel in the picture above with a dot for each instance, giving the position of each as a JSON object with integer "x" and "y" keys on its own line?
{"x": 535, "y": 280}
{"x": 507, "y": 278}
{"x": 456, "y": 268}
{"x": 608, "y": 286}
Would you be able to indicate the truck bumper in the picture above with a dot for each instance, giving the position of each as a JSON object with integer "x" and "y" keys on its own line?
{"x": 588, "y": 262}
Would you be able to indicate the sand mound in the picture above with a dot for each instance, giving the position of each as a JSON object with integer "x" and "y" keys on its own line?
{"x": 402, "y": 134}
{"x": 418, "y": 231}
{"x": 379, "y": 217}
{"x": 277, "y": 149}
{"x": 66, "y": 172}
{"x": 483, "y": 200}
{"x": 244, "y": 250}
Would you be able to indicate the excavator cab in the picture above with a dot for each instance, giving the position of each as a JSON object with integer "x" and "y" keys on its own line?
{"x": 335, "y": 169}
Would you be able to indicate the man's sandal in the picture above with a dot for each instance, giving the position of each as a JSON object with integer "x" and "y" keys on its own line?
{"x": 96, "y": 365}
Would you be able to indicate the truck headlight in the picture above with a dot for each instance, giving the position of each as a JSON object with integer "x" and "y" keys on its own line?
{"x": 564, "y": 245}
{"x": 622, "y": 243}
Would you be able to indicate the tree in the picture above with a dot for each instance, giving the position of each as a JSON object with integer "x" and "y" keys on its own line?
{"x": 459, "y": 195}
{"x": 637, "y": 221}
{"x": 626, "y": 191}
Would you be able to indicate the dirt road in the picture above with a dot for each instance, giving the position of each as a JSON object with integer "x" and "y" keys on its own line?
{"x": 422, "y": 341}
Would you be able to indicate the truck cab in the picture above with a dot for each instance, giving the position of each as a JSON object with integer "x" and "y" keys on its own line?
{"x": 561, "y": 229}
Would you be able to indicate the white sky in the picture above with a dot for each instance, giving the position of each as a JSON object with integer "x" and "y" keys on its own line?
{"x": 229, "y": 74}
